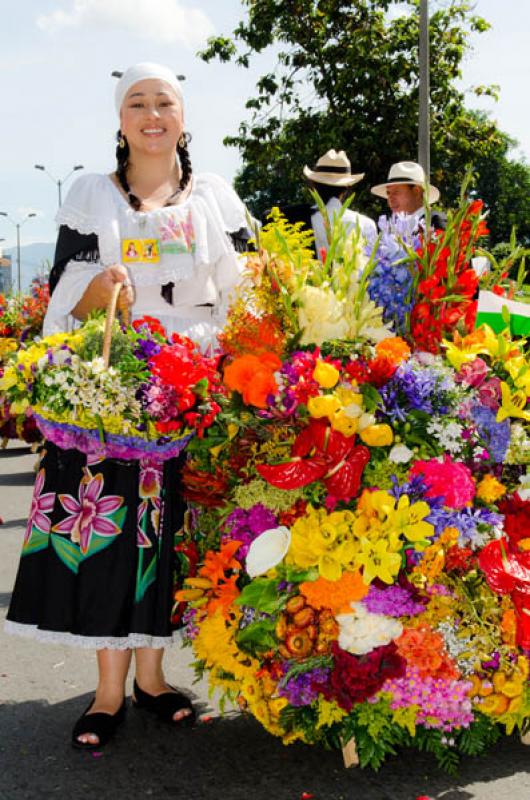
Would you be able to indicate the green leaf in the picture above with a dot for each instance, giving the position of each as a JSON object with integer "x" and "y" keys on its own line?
{"x": 257, "y": 637}
{"x": 68, "y": 552}
{"x": 37, "y": 541}
{"x": 262, "y": 595}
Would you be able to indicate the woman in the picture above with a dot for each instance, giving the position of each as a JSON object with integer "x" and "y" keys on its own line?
{"x": 117, "y": 596}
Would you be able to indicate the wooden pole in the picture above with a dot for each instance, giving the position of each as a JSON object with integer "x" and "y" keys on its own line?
{"x": 424, "y": 144}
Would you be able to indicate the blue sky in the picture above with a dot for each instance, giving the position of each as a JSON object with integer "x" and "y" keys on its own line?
{"x": 57, "y": 93}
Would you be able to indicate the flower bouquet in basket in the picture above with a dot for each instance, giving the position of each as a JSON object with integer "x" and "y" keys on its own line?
{"x": 146, "y": 396}
{"x": 361, "y": 504}
{"x": 21, "y": 319}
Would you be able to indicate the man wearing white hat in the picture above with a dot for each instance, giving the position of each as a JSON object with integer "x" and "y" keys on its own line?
{"x": 331, "y": 177}
{"x": 404, "y": 190}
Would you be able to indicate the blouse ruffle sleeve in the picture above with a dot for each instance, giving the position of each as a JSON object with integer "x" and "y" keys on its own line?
{"x": 68, "y": 292}
{"x": 227, "y": 214}
{"x": 90, "y": 207}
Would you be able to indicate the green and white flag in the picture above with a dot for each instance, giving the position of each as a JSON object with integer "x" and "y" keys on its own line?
{"x": 490, "y": 312}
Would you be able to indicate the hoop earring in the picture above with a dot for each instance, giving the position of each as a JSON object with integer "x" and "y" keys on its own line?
{"x": 122, "y": 143}
{"x": 185, "y": 139}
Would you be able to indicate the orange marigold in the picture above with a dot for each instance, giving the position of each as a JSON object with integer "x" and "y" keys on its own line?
{"x": 394, "y": 349}
{"x": 253, "y": 377}
{"x": 335, "y": 595}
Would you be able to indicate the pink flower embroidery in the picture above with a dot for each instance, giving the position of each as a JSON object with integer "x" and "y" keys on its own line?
{"x": 150, "y": 479}
{"x": 41, "y": 506}
{"x": 142, "y": 539}
{"x": 170, "y": 230}
{"x": 89, "y": 514}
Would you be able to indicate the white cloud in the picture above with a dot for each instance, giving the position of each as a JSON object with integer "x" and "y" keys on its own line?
{"x": 162, "y": 21}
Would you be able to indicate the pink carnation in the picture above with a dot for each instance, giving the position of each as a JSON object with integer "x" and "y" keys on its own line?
{"x": 448, "y": 479}
{"x": 489, "y": 394}
{"x": 472, "y": 372}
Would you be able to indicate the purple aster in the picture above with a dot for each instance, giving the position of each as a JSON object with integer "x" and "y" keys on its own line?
{"x": 395, "y": 601}
{"x": 146, "y": 349}
{"x": 303, "y": 689}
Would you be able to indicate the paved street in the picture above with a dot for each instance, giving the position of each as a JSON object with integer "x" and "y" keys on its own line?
{"x": 44, "y": 688}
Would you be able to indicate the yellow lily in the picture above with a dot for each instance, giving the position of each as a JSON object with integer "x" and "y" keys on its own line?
{"x": 378, "y": 561}
{"x": 512, "y": 405}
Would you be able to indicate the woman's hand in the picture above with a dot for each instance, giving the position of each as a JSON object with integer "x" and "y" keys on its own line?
{"x": 99, "y": 292}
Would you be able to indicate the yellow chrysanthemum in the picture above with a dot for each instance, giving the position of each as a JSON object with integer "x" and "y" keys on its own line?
{"x": 490, "y": 489}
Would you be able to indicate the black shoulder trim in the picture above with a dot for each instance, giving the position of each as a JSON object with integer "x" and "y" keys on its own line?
{"x": 72, "y": 246}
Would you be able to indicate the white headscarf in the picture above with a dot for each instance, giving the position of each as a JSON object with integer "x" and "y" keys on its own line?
{"x": 142, "y": 72}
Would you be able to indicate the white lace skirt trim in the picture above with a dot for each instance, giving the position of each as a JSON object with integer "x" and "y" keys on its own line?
{"x": 130, "y": 642}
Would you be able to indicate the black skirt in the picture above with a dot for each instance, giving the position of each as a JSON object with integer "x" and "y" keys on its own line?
{"x": 98, "y": 566}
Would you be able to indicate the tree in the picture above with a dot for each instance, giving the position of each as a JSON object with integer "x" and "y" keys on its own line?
{"x": 347, "y": 77}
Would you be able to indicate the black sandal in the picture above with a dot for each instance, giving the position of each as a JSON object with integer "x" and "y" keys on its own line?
{"x": 165, "y": 705}
{"x": 99, "y": 724}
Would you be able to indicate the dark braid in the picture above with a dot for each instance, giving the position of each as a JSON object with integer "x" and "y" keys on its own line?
{"x": 185, "y": 161}
{"x": 122, "y": 157}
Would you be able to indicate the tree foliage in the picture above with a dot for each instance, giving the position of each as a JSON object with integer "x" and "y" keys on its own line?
{"x": 347, "y": 77}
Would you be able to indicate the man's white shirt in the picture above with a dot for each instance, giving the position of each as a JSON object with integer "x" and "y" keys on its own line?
{"x": 350, "y": 219}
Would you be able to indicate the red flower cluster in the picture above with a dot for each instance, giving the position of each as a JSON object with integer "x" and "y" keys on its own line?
{"x": 447, "y": 282}
{"x": 516, "y": 519}
{"x": 506, "y": 564}
{"x": 152, "y": 323}
{"x": 460, "y": 560}
{"x": 356, "y": 678}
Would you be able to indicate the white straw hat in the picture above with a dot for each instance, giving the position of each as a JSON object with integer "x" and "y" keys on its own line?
{"x": 333, "y": 169}
{"x": 406, "y": 172}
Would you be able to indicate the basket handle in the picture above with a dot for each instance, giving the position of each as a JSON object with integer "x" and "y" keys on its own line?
{"x": 109, "y": 322}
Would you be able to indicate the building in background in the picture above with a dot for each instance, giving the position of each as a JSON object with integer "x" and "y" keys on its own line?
{"x": 6, "y": 279}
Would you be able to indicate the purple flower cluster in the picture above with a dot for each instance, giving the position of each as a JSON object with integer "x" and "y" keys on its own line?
{"x": 146, "y": 348}
{"x": 412, "y": 389}
{"x": 467, "y": 521}
{"x": 394, "y": 601}
{"x": 303, "y": 689}
{"x": 442, "y": 703}
{"x": 245, "y": 526}
{"x": 496, "y": 435}
{"x": 391, "y": 283}
{"x": 189, "y": 621}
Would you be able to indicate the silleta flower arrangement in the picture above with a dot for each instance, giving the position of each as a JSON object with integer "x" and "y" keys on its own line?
{"x": 361, "y": 505}
{"x": 155, "y": 393}
{"x": 21, "y": 318}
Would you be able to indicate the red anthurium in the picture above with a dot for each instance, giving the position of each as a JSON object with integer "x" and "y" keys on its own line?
{"x": 321, "y": 453}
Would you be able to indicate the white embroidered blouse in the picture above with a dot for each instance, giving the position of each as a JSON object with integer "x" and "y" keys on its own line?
{"x": 195, "y": 253}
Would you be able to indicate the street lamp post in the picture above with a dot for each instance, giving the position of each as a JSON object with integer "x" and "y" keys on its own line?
{"x": 18, "y": 226}
{"x": 59, "y": 181}
{"x": 424, "y": 147}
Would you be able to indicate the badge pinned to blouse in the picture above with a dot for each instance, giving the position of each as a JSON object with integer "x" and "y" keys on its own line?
{"x": 144, "y": 251}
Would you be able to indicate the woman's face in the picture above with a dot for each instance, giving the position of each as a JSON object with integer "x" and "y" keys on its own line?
{"x": 151, "y": 117}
